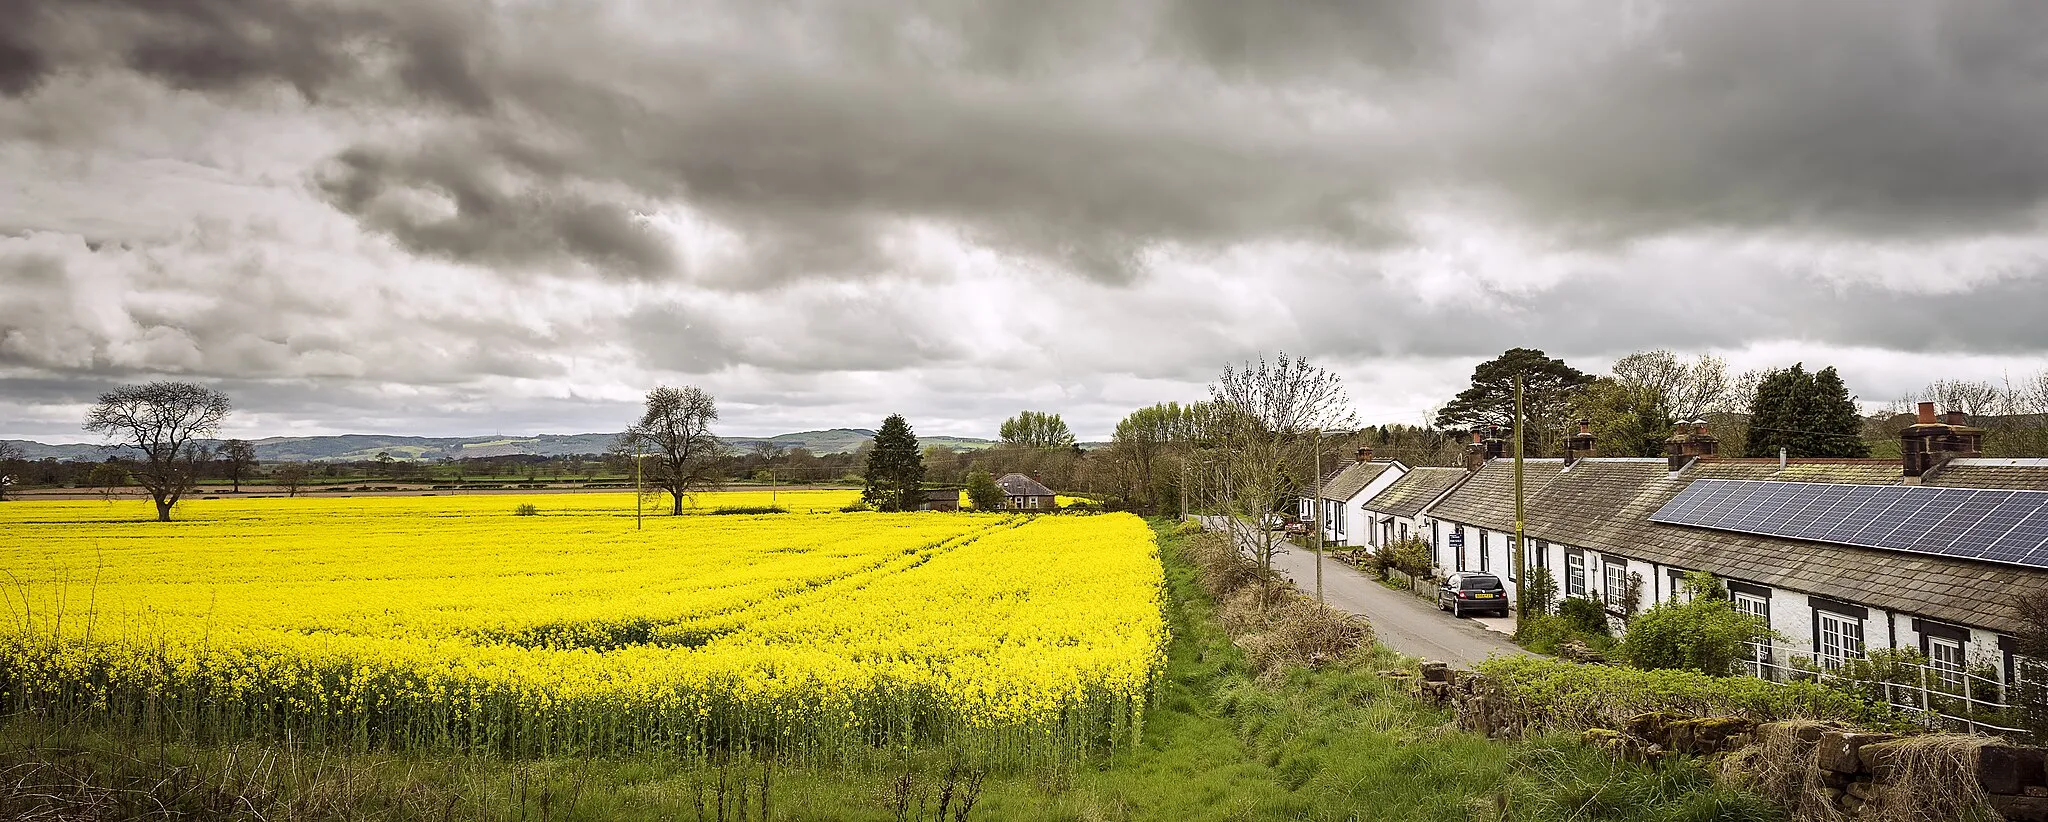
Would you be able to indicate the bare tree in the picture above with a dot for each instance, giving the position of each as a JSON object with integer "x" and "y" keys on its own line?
{"x": 1271, "y": 415}
{"x": 675, "y": 430}
{"x": 167, "y": 422}
{"x": 236, "y": 458}
{"x": 9, "y": 454}
{"x": 291, "y": 477}
{"x": 1688, "y": 390}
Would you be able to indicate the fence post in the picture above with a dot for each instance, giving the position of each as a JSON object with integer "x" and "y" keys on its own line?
{"x": 1969, "y": 704}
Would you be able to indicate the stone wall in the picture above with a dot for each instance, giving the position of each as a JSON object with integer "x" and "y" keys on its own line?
{"x": 1820, "y": 771}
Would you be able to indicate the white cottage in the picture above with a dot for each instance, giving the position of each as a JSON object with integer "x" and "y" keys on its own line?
{"x": 1344, "y": 491}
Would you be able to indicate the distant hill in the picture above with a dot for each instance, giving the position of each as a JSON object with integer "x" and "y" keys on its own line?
{"x": 352, "y": 447}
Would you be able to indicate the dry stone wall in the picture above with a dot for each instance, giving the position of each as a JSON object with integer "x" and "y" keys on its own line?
{"x": 1820, "y": 771}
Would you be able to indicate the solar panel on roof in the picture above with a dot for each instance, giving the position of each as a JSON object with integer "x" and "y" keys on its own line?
{"x": 1971, "y": 523}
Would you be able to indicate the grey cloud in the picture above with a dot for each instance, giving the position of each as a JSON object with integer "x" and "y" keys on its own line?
{"x": 317, "y": 48}
{"x": 488, "y": 219}
{"x": 1840, "y": 117}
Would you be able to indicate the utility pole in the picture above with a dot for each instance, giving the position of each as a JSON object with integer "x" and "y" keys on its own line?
{"x": 1184, "y": 488}
{"x": 1521, "y": 556}
{"x": 1318, "y": 508}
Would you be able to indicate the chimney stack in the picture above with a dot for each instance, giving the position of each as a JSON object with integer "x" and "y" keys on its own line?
{"x": 1496, "y": 447}
{"x": 1365, "y": 453}
{"x": 1690, "y": 441}
{"x": 1475, "y": 453}
{"x": 1931, "y": 441}
{"x": 1580, "y": 445}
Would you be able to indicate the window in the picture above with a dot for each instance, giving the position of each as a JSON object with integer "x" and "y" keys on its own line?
{"x": 1511, "y": 558}
{"x": 1436, "y": 542}
{"x": 1760, "y": 651}
{"x": 1031, "y": 502}
{"x": 1485, "y": 553}
{"x": 1404, "y": 530}
{"x": 1837, "y": 639}
{"x": 1616, "y": 579}
{"x": 1308, "y": 510}
{"x": 1945, "y": 656}
{"x": 1387, "y": 532}
{"x": 1677, "y": 592}
{"x": 1574, "y": 573}
{"x": 1542, "y": 554}
{"x": 1337, "y": 521}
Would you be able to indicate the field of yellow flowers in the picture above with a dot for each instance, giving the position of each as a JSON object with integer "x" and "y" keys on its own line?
{"x": 452, "y": 622}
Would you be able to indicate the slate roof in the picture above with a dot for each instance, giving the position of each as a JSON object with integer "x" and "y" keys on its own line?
{"x": 1346, "y": 482}
{"x": 1993, "y": 472}
{"x": 1605, "y": 505}
{"x": 1487, "y": 499}
{"x": 1415, "y": 489}
{"x": 1018, "y": 485}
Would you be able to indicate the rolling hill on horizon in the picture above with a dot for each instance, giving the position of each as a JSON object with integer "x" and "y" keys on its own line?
{"x": 352, "y": 447}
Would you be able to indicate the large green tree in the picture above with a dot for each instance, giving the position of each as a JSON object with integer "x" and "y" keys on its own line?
{"x": 895, "y": 472}
{"x": 1036, "y": 429}
{"x": 983, "y": 492}
{"x": 1809, "y": 414}
{"x": 1548, "y": 388}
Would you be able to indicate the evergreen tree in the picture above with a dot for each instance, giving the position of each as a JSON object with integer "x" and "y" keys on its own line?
{"x": 1807, "y": 414}
{"x": 895, "y": 474}
{"x": 1548, "y": 387}
{"x": 983, "y": 492}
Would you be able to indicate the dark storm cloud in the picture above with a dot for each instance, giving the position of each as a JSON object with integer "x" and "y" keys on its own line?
{"x": 315, "y": 48}
{"x": 1837, "y": 116}
{"x": 443, "y": 202}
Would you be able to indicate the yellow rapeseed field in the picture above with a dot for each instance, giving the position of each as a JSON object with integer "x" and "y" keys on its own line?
{"x": 451, "y": 622}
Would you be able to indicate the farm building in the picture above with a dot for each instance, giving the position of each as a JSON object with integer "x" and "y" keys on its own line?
{"x": 1022, "y": 493}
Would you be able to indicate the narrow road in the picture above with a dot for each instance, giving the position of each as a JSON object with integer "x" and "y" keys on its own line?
{"x": 1400, "y": 621}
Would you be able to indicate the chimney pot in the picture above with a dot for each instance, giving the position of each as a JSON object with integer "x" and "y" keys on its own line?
{"x": 1475, "y": 436}
{"x": 1926, "y": 413}
{"x": 1956, "y": 418}
{"x": 1365, "y": 454}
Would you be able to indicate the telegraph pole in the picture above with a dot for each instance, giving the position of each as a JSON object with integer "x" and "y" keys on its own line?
{"x": 1521, "y": 557}
{"x": 1318, "y": 509}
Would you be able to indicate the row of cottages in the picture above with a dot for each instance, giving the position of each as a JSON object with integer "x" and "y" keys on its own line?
{"x": 1594, "y": 523}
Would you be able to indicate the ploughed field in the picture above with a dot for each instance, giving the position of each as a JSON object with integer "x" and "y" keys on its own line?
{"x": 451, "y": 622}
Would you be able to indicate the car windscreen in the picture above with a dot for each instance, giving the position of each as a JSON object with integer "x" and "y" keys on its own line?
{"x": 1479, "y": 584}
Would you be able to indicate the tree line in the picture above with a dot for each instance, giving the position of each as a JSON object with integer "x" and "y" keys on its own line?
{"x": 1255, "y": 441}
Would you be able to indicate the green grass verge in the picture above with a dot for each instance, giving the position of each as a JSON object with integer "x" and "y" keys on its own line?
{"x": 1333, "y": 744}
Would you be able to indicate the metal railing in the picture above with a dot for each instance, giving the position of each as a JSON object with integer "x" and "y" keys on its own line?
{"x": 1942, "y": 697}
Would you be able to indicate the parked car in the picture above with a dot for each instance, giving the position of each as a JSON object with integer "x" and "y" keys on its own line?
{"x": 1275, "y": 522}
{"x": 1472, "y": 591}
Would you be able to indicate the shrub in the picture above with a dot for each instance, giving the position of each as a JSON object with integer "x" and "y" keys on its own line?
{"x": 1409, "y": 555}
{"x": 1706, "y": 635}
{"x": 1584, "y": 614}
{"x": 1549, "y": 694}
{"x": 1540, "y": 592}
{"x": 750, "y": 509}
{"x": 857, "y": 507}
{"x": 1547, "y": 634}
{"x": 526, "y": 509}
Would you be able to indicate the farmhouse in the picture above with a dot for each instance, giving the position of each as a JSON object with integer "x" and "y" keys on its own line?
{"x": 1022, "y": 493}
{"x": 1344, "y": 491}
{"x": 1840, "y": 557}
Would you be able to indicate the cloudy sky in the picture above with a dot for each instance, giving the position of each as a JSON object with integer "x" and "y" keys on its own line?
{"x": 448, "y": 217}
